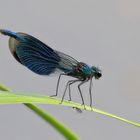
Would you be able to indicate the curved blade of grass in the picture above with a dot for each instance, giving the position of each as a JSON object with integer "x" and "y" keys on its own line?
{"x": 12, "y": 98}
{"x": 58, "y": 126}
{"x": 45, "y": 116}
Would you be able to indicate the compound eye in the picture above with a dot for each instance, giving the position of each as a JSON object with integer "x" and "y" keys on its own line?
{"x": 99, "y": 75}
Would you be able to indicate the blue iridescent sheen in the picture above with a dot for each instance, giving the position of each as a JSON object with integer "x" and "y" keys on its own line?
{"x": 43, "y": 60}
{"x": 36, "y": 55}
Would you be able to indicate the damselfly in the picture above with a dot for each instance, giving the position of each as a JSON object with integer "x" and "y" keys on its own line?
{"x": 43, "y": 60}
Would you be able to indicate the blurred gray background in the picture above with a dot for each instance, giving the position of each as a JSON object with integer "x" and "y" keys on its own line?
{"x": 98, "y": 32}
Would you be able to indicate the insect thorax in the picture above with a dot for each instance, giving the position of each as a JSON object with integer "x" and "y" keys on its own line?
{"x": 82, "y": 71}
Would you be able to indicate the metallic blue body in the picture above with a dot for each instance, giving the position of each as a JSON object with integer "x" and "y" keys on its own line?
{"x": 43, "y": 60}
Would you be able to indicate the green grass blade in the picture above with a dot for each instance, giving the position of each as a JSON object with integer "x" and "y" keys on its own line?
{"x": 44, "y": 115}
{"x": 58, "y": 126}
{"x": 12, "y": 98}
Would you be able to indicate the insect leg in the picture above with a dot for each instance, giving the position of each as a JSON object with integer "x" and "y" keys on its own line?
{"x": 81, "y": 92}
{"x": 58, "y": 84}
{"x": 72, "y": 82}
{"x": 77, "y": 109}
{"x": 69, "y": 92}
{"x": 90, "y": 87}
{"x": 66, "y": 89}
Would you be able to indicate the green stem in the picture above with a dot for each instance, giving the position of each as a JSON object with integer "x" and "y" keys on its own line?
{"x": 58, "y": 126}
{"x": 12, "y": 98}
{"x": 48, "y": 118}
{"x": 115, "y": 117}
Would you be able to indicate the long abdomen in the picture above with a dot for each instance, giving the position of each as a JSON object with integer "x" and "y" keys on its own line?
{"x": 9, "y": 33}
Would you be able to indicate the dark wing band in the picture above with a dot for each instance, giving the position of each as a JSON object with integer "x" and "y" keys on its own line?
{"x": 34, "y": 54}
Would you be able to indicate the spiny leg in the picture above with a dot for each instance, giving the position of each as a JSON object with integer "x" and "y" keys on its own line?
{"x": 72, "y": 82}
{"x": 57, "y": 85}
{"x": 81, "y": 92}
{"x": 66, "y": 89}
{"x": 69, "y": 93}
{"x": 90, "y": 87}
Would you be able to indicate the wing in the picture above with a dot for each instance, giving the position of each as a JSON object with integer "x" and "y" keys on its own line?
{"x": 34, "y": 54}
{"x": 66, "y": 63}
{"x": 37, "y": 56}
